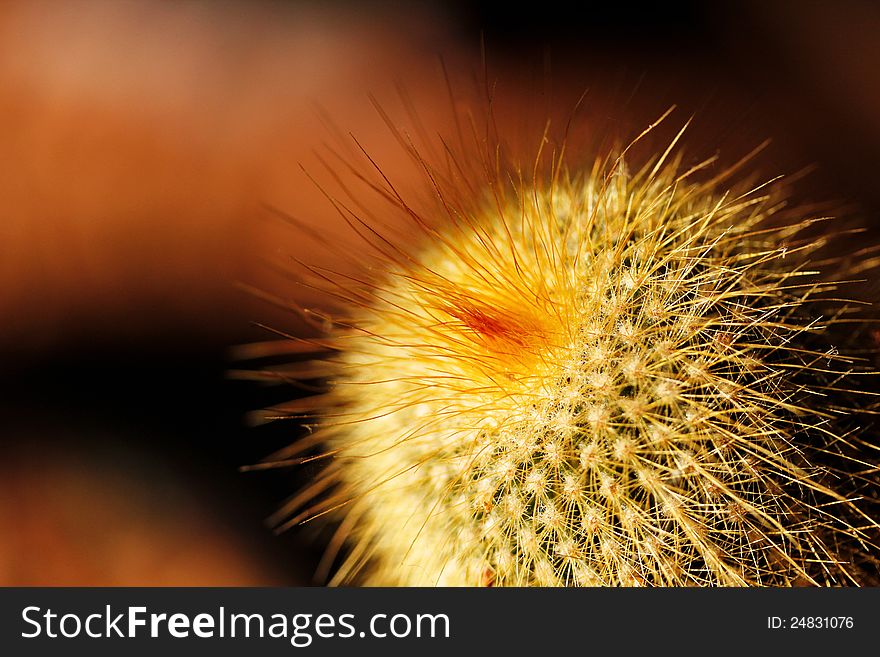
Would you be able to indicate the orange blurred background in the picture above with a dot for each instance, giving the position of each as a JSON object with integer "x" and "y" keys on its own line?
{"x": 139, "y": 144}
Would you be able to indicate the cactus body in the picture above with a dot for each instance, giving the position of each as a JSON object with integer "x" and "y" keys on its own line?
{"x": 603, "y": 377}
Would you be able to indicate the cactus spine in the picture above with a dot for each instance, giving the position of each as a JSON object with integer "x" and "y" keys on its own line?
{"x": 597, "y": 376}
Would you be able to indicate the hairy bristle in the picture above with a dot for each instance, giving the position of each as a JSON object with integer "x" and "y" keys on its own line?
{"x": 592, "y": 376}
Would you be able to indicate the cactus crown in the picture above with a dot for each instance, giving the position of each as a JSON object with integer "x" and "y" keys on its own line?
{"x": 596, "y": 377}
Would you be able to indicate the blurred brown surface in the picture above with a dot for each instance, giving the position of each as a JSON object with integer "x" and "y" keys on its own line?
{"x": 71, "y": 522}
{"x": 138, "y": 141}
{"x": 139, "y": 138}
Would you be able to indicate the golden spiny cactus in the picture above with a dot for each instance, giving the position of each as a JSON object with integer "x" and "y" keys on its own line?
{"x": 592, "y": 377}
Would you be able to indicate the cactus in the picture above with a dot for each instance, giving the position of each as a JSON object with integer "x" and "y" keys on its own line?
{"x": 597, "y": 376}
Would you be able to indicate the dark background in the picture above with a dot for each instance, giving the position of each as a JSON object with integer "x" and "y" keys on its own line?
{"x": 137, "y": 141}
